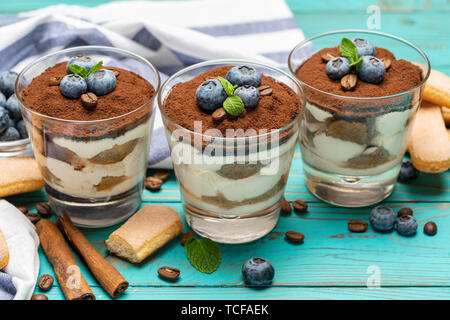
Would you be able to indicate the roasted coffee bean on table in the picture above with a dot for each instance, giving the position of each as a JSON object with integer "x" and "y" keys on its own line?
{"x": 295, "y": 237}
{"x": 45, "y": 282}
{"x": 153, "y": 183}
{"x": 33, "y": 217}
{"x": 22, "y": 209}
{"x": 162, "y": 174}
{"x": 168, "y": 273}
{"x": 355, "y": 225}
{"x": 44, "y": 209}
{"x": 300, "y": 206}
{"x": 285, "y": 206}
{"x": 39, "y": 296}
{"x": 430, "y": 228}
{"x": 404, "y": 212}
{"x": 186, "y": 236}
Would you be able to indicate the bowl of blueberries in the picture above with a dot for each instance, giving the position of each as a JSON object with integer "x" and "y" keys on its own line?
{"x": 13, "y": 133}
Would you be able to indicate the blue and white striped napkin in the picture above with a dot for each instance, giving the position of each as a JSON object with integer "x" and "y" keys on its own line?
{"x": 172, "y": 35}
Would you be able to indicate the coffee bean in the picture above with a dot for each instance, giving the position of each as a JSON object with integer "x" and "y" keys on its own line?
{"x": 33, "y": 217}
{"x": 300, "y": 206}
{"x": 39, "y": 297}
{"x": 387, "y": 63}
{"x": 295, "y": 237}
{"x": 349, "y": 81}
{"x": 404, "y": 212}
{"x": 22, "y": 209}
{"x": 45, "y": 282}
{"x": 44, "y": 209}
{"x": 430, "y": 228}
{"x": 168, "y": 273}
{"x": 162, "y": 174}
{"x": 54, "y": 81}
{"x": 219, "y": 115}
{"x": 186, "y": 236}
{"x": 89, "y": 100}
{"x": 114, "y": 71}
{"x": 265, "y": 90}
{"x": 152, "y": 183}
{"x": 355, "y": 225}
{"x": 285, "y": 206}
{"x": 327, "y": 57}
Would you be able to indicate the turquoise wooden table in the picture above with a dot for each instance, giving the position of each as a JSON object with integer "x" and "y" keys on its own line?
{"x": 332, "y": 263}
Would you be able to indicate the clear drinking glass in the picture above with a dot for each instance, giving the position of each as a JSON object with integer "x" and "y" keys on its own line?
{"x": 92, "y": 172}
{"x": 362, "y": 168}
{"x": 231, "y": 186}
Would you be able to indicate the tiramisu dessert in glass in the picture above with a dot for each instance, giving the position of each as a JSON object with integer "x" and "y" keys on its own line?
{"x": 362, "y": 91}
{"x": 89, "y": 113}
{"x": 232, "y": 127}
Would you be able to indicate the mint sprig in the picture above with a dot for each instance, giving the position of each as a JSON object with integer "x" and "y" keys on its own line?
{"x": 203, "y": 254}
{"x": 349, "y": 51}
{"x": 233, "y": 104}
{"x": 82, "y": 71}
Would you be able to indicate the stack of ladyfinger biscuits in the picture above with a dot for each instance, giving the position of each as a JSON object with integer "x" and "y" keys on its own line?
{"x": 429, "y": 145}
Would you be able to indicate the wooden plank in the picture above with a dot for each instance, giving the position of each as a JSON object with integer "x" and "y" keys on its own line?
{"x": 284, "y": 293}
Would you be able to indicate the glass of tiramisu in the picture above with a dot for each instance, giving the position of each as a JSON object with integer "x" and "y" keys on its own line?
{"x": 89, "y": 113}
{"x": 232, "y": 127}
{"x": 362, "y": 90}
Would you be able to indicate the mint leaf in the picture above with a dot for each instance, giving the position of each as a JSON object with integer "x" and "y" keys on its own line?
{"x": 349, "y": 51}
{"x": 203, "y": 254}
{"x": 233, "y": 105}
{"x": 95, "y": 67}
{"x": 227, "y": 86}
{"x": 81, "y": 71}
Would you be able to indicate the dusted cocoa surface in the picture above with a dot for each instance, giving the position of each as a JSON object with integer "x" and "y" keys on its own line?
{"x": 131, "y": 92}
{"x": 272, "y": 112}
{"x": 400, "y": 77}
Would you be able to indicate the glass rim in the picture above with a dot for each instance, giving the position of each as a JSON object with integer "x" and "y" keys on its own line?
{"x": 15, "y": 143}
{"x": 404, "y": 41}
{"x": 89, "y": 48}
{"x": 231, "y": 62}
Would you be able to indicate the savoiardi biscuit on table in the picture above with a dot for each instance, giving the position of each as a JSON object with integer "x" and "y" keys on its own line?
{"x": 437, "y": 89}
{"x": 148, "y": 230}
{"x": 429, "y": 145}
{"x": 4, "y": 252}
{"x": 19, "y": 175}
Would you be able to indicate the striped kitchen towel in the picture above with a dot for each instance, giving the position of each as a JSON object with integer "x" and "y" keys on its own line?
{"x": 172, "y": 35}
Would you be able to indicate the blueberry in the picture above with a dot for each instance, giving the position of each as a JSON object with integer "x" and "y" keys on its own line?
{"x": 2, "y": 100}
{"x": 82, "y": 61}
{"x": 210, "y": 95}
{"x": 72, "y": 86}
{"x": 101, "y": 82}
{"x": 364, "y": 47}
{"x": 406, "y": 225}
{"x": 244, "y": 76}
{"x": 7, "y": 81}
{"x": 337, "y": 68}
{"x": 258, "y": 272}
{"x": 407, "y": 172}
{"x": 10, "y": 134}
{"x": 383, "y": 218}
{"x": 22, "y": 129}
{"x": 249, "y": 95}
{"x": 4, "y": 119}
{"x": 371, "y": 69}
{"x": 13, "y": 107}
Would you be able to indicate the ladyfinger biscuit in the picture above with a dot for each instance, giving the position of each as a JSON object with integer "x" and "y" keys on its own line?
{"x": 4, "y": 252}
{"x": 144, "y": 233}
{"x": 437, "y": 89}
{"x": 19, "y": 175}
{"x": 429, "y": 145}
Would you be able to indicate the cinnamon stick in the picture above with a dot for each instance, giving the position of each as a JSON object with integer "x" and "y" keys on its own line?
{"x": 105, "y": 273}
{"x": 72, "y": 282}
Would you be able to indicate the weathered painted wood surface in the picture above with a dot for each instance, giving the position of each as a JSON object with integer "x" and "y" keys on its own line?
{"x": 332, "y": 263}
